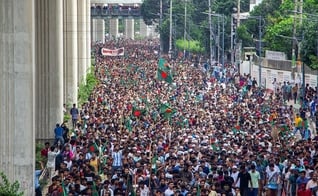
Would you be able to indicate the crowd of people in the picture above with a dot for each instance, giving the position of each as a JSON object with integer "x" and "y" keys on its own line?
{"x": 203, "y": 133}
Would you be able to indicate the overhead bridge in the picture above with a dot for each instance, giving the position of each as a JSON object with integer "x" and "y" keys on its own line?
{"x": 106, "y": 12}
{"x": 111, "y": 11}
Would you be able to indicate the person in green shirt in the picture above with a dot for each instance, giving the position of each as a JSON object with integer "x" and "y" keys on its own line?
{"x": 255, "y": 178}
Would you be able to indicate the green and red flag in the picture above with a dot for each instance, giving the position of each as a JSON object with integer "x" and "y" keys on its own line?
{"x": 163, "y": 65}
{"x": 165, "y": 75}
{"x": 93, "y": 147}
{"x": 138, "y": 112}
{"x": 166, "y": 110}
{"x": 164, "y": 71}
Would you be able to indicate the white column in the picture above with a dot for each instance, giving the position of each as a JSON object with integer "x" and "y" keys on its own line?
{"x": 113, "y": 28}
{"x": 143, "y": 28}
{"x": 55, "y": 69}
{"x": 17, "y": 92}
{"x": 100, "y": 30}
{"x": 130, "y": 28}
{"x": 49, "y": 66}
{"x": 70, "y": 52}
{"x": 94, "y": 30}
{"x": 81, "y": 27}
{"x": 88, "y": 35}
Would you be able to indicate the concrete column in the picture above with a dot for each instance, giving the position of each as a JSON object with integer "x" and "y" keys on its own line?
{"x": 17, "y": 92}
{"x": 81, "y": 27}
{"x": 100, "y": 30}
{"x": 113, "y": 28}
{"x": 143, "y": 28}
{"x": 70, "y": 51}
{"x": 88, "y": 35}
{"x": 130, "y": 28}
{"x": 49, "y": 66}
{"x": 55, "y": 64}
{"x": 94, "y": 30}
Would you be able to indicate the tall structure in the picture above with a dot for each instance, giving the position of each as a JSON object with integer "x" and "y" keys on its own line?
{"x": 17, "y": 91}
{"x": 44, "y": 52}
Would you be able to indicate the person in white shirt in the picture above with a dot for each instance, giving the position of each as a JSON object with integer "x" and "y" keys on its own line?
{"x": 169, "y": 191}
{"x": 313, "y": 184}
{"x": 50, "y": 165}
{"x": 234, "y": 175}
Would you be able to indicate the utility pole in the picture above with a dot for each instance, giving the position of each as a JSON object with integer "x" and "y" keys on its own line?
{"x": 160, "y": 23}
{"x": 260, "y": 50}
{"x": 210, "y": 27}
{"x": 238, "y": 12}
{"x": 185, "y": 25}
{"x": 170, "y": 33}
{"x": 294, "y": 41}
{"x": 223, "y": 41}
{"x": 218, "y": 40}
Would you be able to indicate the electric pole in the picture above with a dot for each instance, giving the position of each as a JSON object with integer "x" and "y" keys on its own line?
{"x": 211, "y": 32}
{"x": 170, "y": 33}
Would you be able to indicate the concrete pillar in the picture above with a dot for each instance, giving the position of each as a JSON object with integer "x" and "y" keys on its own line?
{"x": 81, "y": 28}
{"x": 17, "y": 92}
{"x": 94, "y": 30}
{"x": 130, "y": 28}
{"x": 143, "y": 29}
{"x": 70, "y": 51}
{"x": 49, "y": 66}
{"x": 113, "y": 28}
{"x": 88, "y": 35}
{"x": 100, "y": 30}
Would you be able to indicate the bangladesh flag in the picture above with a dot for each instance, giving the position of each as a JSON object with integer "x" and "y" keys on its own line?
{"x": 166, "y": 110}
{"x": 138, "y": 112}
{"x": 164, "y": 75}
{"x": 163, "y": 65}
{"x": 164, "y": 71}
{"x": 93, "y": 147}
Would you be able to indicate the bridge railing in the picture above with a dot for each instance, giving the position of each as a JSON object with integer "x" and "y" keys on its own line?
{"x": 99, "y": 11}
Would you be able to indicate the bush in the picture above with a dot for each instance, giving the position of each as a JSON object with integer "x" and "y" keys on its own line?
{"x": 86, "y": 88}
{"x": 8, "y": 189}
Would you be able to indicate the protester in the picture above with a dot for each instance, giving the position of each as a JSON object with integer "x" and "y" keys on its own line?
{"x": 161, "y": 126}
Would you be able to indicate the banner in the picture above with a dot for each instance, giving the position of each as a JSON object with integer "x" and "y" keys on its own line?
{"x": 110, "y": 52}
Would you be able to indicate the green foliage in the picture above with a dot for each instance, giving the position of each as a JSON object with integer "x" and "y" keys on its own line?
{"x": 38, "y": 157}
{"x": 274, "y": 33}
{"x": 189, "y": 45}
{"x": 86, "y": 88}
{"x": 7, "y": 188}
{"x": 245, "y": 36}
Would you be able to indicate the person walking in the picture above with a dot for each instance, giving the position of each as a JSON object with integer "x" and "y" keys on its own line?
{"x": 245, "y": 180}
{"x": 255, "y": 178}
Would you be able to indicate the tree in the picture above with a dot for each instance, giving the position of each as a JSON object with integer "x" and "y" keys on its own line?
{"x": 192, "y": 46}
